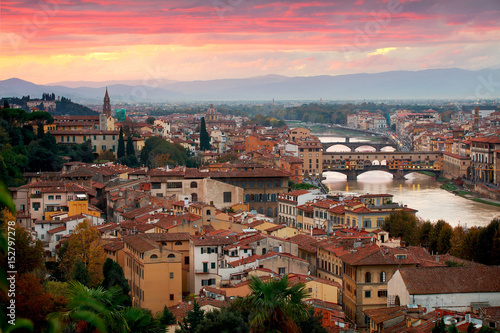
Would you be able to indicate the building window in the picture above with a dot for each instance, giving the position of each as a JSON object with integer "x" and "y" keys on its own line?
{"x": 382, "y": 293}
{"x": 178, "y": 243}
{"x": 58, "y": 197}
{"x": 382, "y": 276}
{"x": 155, "y": 186}
{"x": 171, "y": 275}
{"x": 51, "y": 197}
{"x": 171, "y": 297}
{"x": 171, "y": 255}
{"x": 212, "y": 265}
{"x": 367, "y": 321}
{"x": 368, "y": 293}
{"x": 194, "y": 185}
{"x": 368, "y": 277}
{"x": 281, "y": 270}
{"x": 174, "y": 185}
{"x": 186, "y": 260}
{"x": 261, "y": 183}
{"x": 227, "y": 196}
{"x": 252, "y": 184}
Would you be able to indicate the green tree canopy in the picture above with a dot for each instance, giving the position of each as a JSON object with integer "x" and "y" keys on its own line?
{"x": 204, "y": 137}
{"x": 121, "y": 144}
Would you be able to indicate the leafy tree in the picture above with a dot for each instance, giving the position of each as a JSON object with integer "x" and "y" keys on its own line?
{"x": 204, "y": 137}
{"x": 486, "y": 236}
{"x": 113, "y": 276}
{"x": 82, "y": 152}
{"x": 150, "y": 120}
{"x": 107, "y": 155}
{"x": 130, "y": 161}
{"x": 84, "y": 246}
{"x": 130, "y": 147}
{"x": 141, "y": 320}
{"x": 495, "y": 249}
{"x": 276, "y": 305}
{"x": 193, "y": 319}
{"x": 424, "y": 233}
{"x": 6, "y": 104}
{"x": 154, "y": 146}
{"x": 402, "y": 224}
{"x": 224, "y": 320}
{"x": 312, "y": 323}
{"x": 92, "y": 309}
{"x": 167, "y": 317}
{"x": 32, "y": 302}
{"x": 80, "y": 273}
{"x": 444, "y": 238}
{"x": 229, "y": 157}
{"x": 439, "y": 327}
{"x": 471, "y": 328}
{"x": 121, "y": 145}
{"x": 29, "y": 251}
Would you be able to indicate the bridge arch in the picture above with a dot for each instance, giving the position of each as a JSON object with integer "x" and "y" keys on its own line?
{"x": 338, "y": 148}
{"x": 388, "y": 149}
{"x": 366, "y": 148}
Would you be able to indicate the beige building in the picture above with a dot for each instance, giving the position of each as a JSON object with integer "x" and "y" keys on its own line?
{"x": 365, "y": 272}
{"x": 214, "y": 192}
{"x": 455, "y": 166}
{"x": 153, "y": 271}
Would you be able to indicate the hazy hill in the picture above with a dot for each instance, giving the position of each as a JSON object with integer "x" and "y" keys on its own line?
{"x": 426, "y": 84}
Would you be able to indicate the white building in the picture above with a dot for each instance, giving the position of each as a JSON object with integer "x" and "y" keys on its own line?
{"x": 454, "y": 288}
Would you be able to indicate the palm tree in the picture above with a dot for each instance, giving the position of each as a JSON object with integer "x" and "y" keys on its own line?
{"x": 93, "y": 309}
{"x": 276, "y": 305}
{"x": 141, "y": 320}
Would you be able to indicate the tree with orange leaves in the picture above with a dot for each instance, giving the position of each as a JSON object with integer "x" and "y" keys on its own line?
{"x": 84, "y": 246}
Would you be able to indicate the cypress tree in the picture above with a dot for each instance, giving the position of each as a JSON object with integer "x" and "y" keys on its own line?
{"x": 121, "y": 145}
{"x": 204, "y": 138}
{"x": 130, "y": 147}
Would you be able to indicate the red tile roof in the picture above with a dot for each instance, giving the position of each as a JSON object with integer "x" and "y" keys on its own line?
{"x": 381, "y": 315}
{"x": 446, "y": 280}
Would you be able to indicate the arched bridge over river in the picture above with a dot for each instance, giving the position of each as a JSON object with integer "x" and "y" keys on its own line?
{"x": 399, "y": 164}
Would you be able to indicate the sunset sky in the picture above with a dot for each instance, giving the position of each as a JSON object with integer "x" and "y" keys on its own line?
{"x": 45, "y": 41}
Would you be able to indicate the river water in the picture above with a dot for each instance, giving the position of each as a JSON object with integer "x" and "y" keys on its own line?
{"x": 418, "y": 191}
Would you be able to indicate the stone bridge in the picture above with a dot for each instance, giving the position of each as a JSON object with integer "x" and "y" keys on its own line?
{"x": 397, "y": 163}
{"x": 354, "y": 145}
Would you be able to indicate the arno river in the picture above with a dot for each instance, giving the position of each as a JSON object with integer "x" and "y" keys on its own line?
{"x": 418, "y": 191}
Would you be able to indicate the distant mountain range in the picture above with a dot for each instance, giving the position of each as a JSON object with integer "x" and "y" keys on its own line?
{"x": 425, "y": 84}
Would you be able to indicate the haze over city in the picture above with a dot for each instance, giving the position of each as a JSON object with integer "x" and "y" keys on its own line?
{"x": 53, "y": 41}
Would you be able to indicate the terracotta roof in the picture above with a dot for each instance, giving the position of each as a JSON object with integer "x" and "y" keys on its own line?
{"x": 56, "y": 230}
{"x": 277, "y": 227}
{"x": 113, "y": 246}
{"x": 305, "y": 242}
{"x": 375, "y": 255}
{"x": 173, "y": 220}
{"x": 492, "y": 312}
{"x": 140, "y": 243}
{"x": 213, "y": 240}
{"x": 140, "y": 211}
{"x": 296, "y": 193}
{"x": 383, "y": 314}
{"x": 168, "y": 236}
{"x": 180, "y": 310}
{"x": 446, "y": 280}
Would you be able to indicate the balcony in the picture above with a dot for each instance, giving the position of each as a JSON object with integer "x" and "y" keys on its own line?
{"x": 36, "y": 196}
